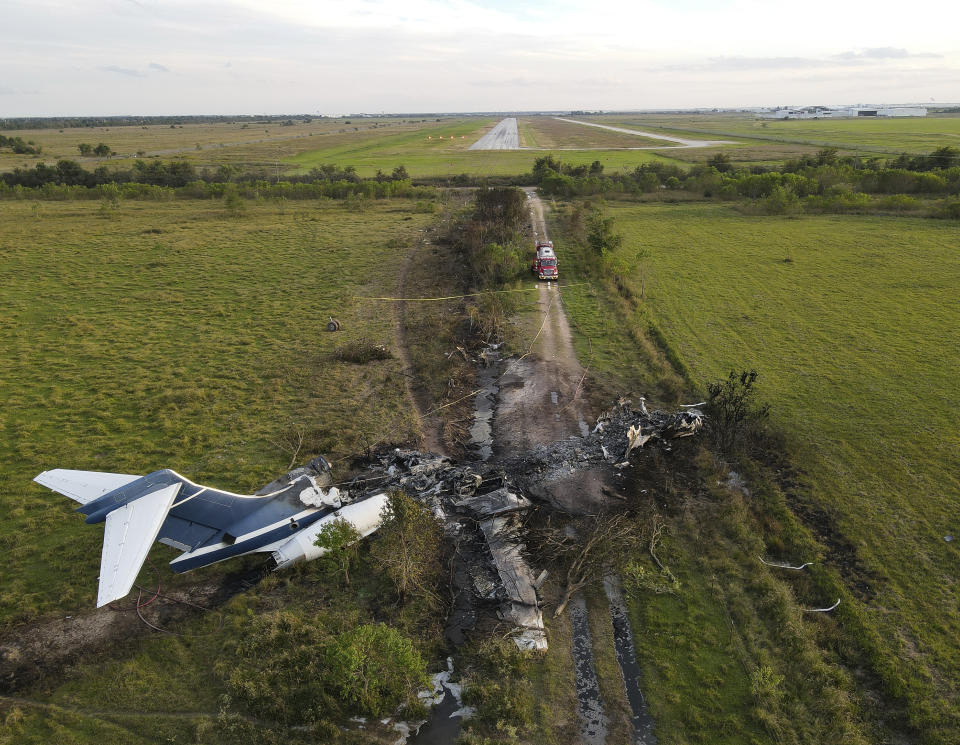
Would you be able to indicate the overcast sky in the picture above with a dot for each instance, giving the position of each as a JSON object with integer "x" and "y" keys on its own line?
{"x": 87, "y": 57}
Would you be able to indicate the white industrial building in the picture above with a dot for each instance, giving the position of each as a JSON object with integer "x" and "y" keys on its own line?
{"x": 843, "y": 112}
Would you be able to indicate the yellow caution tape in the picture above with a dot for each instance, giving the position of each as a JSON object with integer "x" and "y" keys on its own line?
{"x": 457, "y": 297}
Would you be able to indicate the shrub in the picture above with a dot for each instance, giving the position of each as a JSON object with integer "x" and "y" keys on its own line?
{"x": 732, "y": 412}
{"x": 292, "y": 670}
{"x": 899, "y": 203}
{"x": 362, "y": 351}
{"x": 779, "y": 201}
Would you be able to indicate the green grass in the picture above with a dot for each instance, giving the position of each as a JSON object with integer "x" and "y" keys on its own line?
{"x": 176, "y": 336}
{"x": 911, "y": 134}
{"x": 854, "y": 338}
{"x": 424, "y": 157}
{"x": 424, "y": 147}
{"x": 204, "y": 144}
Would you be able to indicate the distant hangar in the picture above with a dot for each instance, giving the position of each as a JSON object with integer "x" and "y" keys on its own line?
{"x": 843, "y": 112}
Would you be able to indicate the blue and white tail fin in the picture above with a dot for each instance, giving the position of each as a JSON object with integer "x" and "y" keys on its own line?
{"x": 130, "y": 529}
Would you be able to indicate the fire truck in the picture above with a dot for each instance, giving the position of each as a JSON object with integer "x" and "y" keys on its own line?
{"x": 544, "y": 264}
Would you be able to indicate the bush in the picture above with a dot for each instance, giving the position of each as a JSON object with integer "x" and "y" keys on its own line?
{"x": 779, "y": 201}
{"x": 732, "y": 414}
{"x": 899, "y": 203}
{"x": 373, "y": 668}
{"x": 293, "y": 670}
{"x": 362, "y": 351}
{"x": 948, "y": 210}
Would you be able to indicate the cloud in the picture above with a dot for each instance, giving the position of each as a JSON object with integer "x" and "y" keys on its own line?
{"x": 6, "y": 90}
{"x": 874, "y": 55}
{"x": 728, "y": 64}
{"x": 512, "y": 82}
{"x": 881, "y": 53}
{"x": 123, "y": 71}
{"x": 158, "y": 67}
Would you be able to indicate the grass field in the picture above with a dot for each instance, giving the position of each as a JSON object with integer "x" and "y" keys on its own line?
{"x": 549, "y": 132}
{"x": 423, "y": 156}
{"x": 427, "y": 148}
{"x": 850, "y": 321}
{"x": 204, "y": 144}
{"x": 173, "y": 335}
{"x": 868, "y": 136}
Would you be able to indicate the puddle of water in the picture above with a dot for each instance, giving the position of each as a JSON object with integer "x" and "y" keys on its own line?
{"x": 593, "y": 722}
{"x": 442, "y": 728}
{"x": 447, "y": 712}
{"x": 584, "y": 427}
{"x": 627, "y": 659}
{"x": 481, "y": 431}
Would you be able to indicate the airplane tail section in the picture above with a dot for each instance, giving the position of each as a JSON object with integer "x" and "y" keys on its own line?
{"x": 130, "y": 532}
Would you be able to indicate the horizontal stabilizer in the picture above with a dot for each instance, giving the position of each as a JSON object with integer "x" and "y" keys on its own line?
{"x": 83, "y": 486}
{"x": 130, "y": 532}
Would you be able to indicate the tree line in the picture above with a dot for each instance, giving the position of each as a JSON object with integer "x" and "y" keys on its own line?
{"x": 822, "y": 182}
{"x": 156, "y": 179}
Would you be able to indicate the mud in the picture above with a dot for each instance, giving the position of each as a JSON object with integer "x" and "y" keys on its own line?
{"x": 593, "y": 722}
{"x": 481, "y": 431}
{"x": 627, "y": 660}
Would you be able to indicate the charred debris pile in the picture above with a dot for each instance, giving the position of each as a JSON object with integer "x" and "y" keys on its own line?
{"x": 482, "y": 508}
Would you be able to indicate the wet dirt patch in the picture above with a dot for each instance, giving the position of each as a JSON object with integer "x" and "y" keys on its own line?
{"x": 593, "y": 722}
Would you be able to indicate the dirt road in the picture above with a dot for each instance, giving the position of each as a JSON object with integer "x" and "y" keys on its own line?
{"x": 540, "y": 398}
{"x": 537, "y": 394}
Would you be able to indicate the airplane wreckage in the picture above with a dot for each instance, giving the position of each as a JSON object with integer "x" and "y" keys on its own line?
{"x": 479, "y": 505}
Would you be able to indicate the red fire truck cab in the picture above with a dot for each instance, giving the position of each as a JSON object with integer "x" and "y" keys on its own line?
{"x": 544, "y": 264}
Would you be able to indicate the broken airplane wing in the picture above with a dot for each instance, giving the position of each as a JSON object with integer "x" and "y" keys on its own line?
{"x": 208, "y": 525}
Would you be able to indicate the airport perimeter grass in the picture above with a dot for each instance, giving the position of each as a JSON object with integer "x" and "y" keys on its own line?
{"x": 201, "y": 143}
{"x": 426, "y": 147}
{"x": 868, "y": 135}
{"x": 851, "y": 322}
{"x": 175, "y": 335}
{"x": 426, "y": 157}
{"x": 550, "y": 132}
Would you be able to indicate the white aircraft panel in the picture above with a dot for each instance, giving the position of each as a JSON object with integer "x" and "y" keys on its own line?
{"x": 83, "y": 486}
{"x": 130, "y": 532}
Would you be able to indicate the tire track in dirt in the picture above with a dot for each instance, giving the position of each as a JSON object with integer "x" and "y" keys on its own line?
{"x": 431, "y": 427}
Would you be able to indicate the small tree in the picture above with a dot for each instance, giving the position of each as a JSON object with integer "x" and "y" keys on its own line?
{"x": 720, "y": 161}
{"x": 601, "y": 236}
{"x": 732, "y": 411}
{"x": 409, "y": 547}
{"x": 342, "y": 542}
{"x": 944, "y": 157}
{"x": 102, "y": 150}
{"x": 85, "y": 148}
{"x": 373, "y": 667}
{"x": 233, "y": 201}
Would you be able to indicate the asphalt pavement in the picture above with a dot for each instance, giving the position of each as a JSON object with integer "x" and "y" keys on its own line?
{"x": 502, "y": 137}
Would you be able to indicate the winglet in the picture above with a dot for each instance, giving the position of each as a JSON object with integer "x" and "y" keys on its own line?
{"x": 129, "y": 534}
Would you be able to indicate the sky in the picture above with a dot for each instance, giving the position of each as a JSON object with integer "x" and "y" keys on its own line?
{"x": 155, "y": 57}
